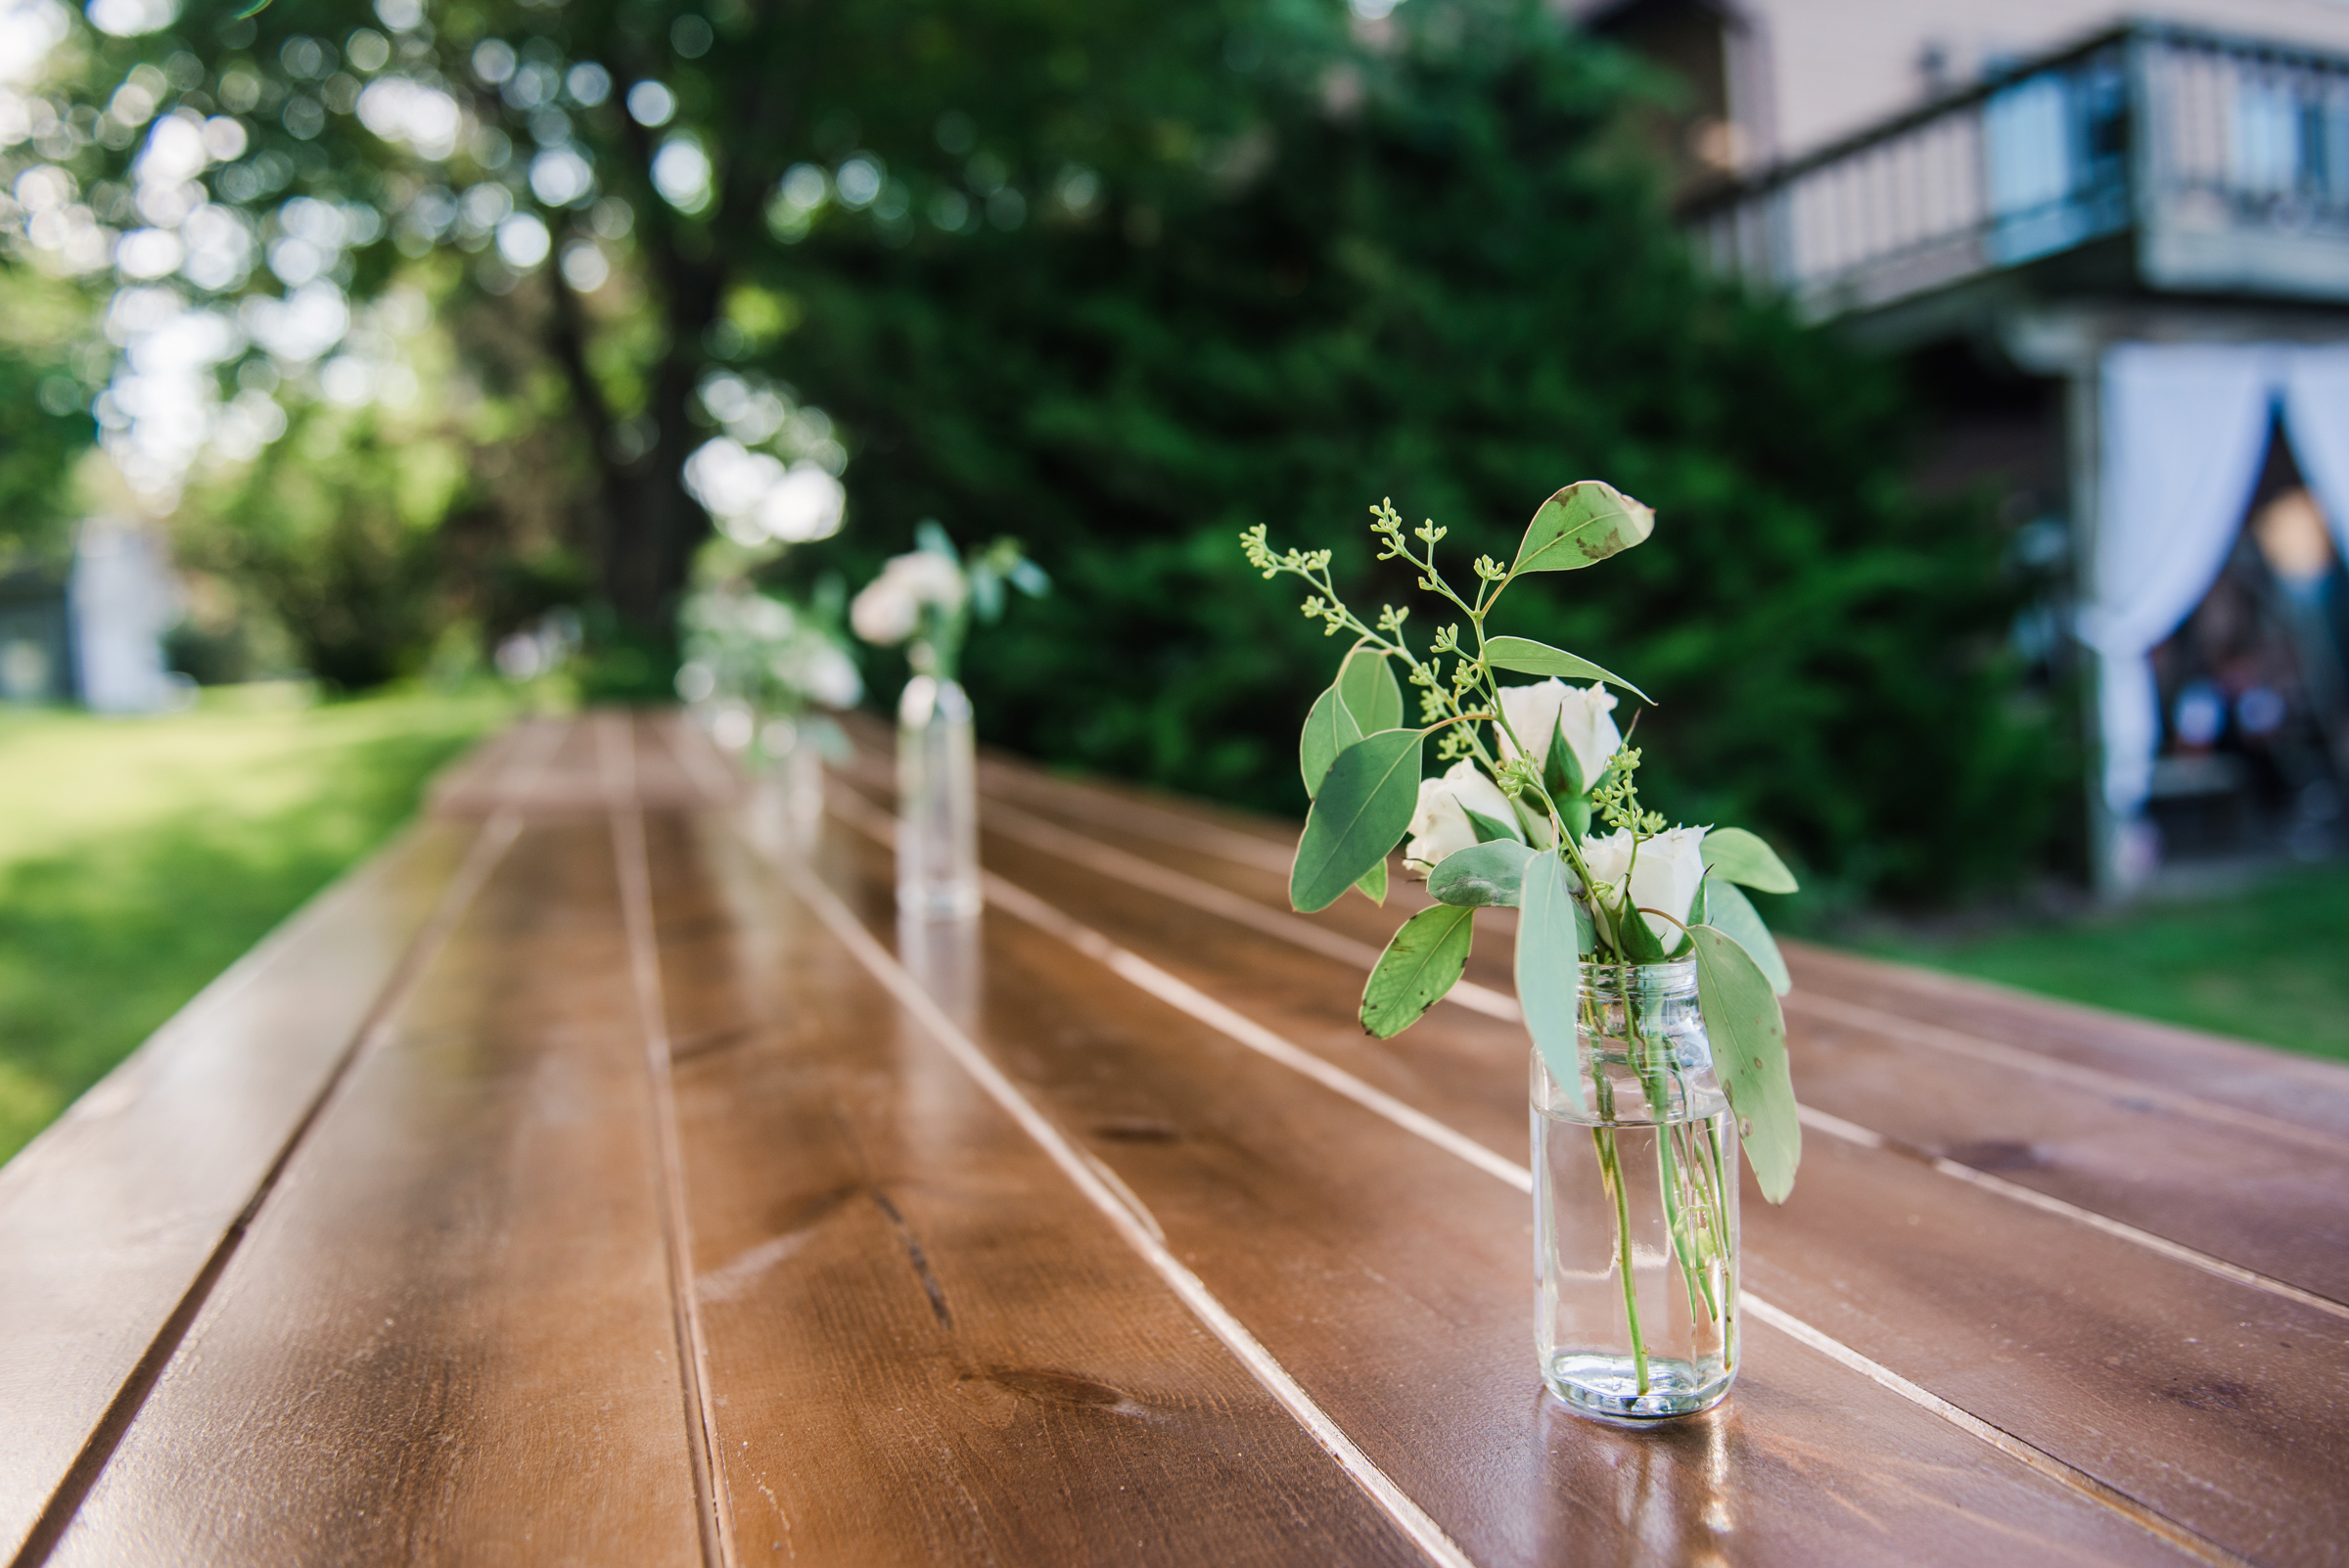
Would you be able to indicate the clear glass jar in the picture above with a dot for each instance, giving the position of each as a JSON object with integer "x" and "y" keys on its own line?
{"x": 938, "y": 802}
{"x": 787, "y": 794}
{"x": 1635, "y": 1204}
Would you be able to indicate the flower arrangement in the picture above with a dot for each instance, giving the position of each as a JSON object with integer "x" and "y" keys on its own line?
{"x": 1539, "y": 811}
{"x": 1537, "y": 771}
{"x": 762, "y": 670}
{"x": 928, "y": 596}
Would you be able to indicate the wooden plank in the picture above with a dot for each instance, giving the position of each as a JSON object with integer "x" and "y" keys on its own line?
{"x": 1392, "y": 1279}
{"x": 2254, "y": 1456}
{"x": 2274, "y": 1205}
{"x": 2226, "y": 1409}
{"x": 111, "y": 1216}
{"x": 930, "y": 1348}
{"x": 2114, "y": 1146}
{"x": 448, "y": 1335}
{"x": 2271, "y": 1092}
{"x": 551, "y": 766}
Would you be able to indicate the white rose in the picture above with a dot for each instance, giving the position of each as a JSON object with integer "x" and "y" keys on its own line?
{"x": 821, "y": 671}
{"x": 1440, "y": 827}
{"x": 1586, "y": 717}
{"x": 1533, "y": 713}
{"x": 886, "y": 611}
{"x": 1581, "y": 713}
{"x": 1671, "y": 867}
{"x": 931, "y": 577}
{"x": 890, "y": 608}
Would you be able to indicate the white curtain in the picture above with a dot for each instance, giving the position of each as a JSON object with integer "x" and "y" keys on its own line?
{"x": 2316, "y": 413}
{"x": 2185, "y": 429}
{"x": 2184, "y": 437}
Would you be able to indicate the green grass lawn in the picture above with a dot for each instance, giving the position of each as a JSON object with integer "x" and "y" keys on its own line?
{"x": 2268, "y": 964}
{"x": 139, "y": 857}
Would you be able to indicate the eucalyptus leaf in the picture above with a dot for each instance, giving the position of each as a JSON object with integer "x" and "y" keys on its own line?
{"x": 1581, "y": 526}
{"x": 1550, "y": 971}
{"x": 987, "y": 592}
{"x": 1363, "y": 811}
{"x": 1483, "y": 875}
{"x": 1748, "y": 1032}
{"x": 1366, "y": 682}
{"x": 1421, "y": 963}
{"x": 1733, "y": 912}
{"x": 1328, "y": 731}
{"x": 1490, "y": 829}
{"x": 1527, "y": 656}
{"x": 1735, "y": 855}
{"x": 1372, "y": 884}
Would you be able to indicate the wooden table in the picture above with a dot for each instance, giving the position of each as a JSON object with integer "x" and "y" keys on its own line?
{"x": 575, "y": 1183}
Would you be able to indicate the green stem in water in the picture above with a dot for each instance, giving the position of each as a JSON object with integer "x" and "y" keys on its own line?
{"x": 1729, "y": 1269}
{"x": 1611, "y": 1171}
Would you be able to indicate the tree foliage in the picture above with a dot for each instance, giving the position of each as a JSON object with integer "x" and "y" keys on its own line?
{"x": 1113, "y": 278}
{"x": 1433, "y": 270}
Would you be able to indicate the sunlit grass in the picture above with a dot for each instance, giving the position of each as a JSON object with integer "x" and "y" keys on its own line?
{"x": 140, "y": 858}
{"x": 2269, "y": 964}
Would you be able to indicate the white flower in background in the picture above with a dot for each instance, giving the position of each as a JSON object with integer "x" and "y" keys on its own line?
{"x": 746, "y": 647}
{"x": 890, "y": 608}
{"x": 885, "y": 613}
{"x": 823, "y": 672}
{"x": 1441, "y": 826}
{"x": 1670, "y": 868}
{"x": 1585, "y": 714}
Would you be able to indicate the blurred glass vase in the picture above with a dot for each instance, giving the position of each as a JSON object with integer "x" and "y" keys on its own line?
{"x": 938, "y": 802}
{"x": 787, "y": 799}
{"x": 1635, "y": 1204}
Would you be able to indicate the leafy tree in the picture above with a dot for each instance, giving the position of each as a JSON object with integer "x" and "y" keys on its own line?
{"x": 605, "y": 171}
{"x": 1432, "y": 268}
{"x": 1119, "y": 279}
{"x": 43, "y": 426}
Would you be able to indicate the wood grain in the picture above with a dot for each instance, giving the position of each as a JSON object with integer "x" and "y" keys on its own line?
{"x": 2265, "y": 1091}
{"x": 1393, "y": 1280}
{"x": 2123, "y": 1146}
{"x": 2282, "y": 1401}
{"x": 448, "y": 1337}
{"x": 931, "y": 1349}
{"x": 2272, "y": 1205}
{"x": 2052, "y": 1289}
{"x": 108, "y": 1219}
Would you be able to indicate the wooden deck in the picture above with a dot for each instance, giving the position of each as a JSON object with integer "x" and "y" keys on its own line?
{"x": 574, "y": 1183}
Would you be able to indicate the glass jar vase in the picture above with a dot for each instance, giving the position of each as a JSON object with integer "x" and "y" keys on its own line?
{"x": 1635, "y": 1204}
{"x": 787, "y": 794}
{"x": 938, "y": 802}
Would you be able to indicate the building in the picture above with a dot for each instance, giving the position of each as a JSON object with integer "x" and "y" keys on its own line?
{"x": 2116, "y": 251}
{"x": 94, "y": 633}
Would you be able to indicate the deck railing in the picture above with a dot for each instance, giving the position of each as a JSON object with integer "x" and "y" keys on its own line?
{"x": 2228, "y": 158}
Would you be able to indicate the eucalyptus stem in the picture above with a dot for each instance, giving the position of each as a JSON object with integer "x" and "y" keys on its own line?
{"x": 1610, "y": 1168}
